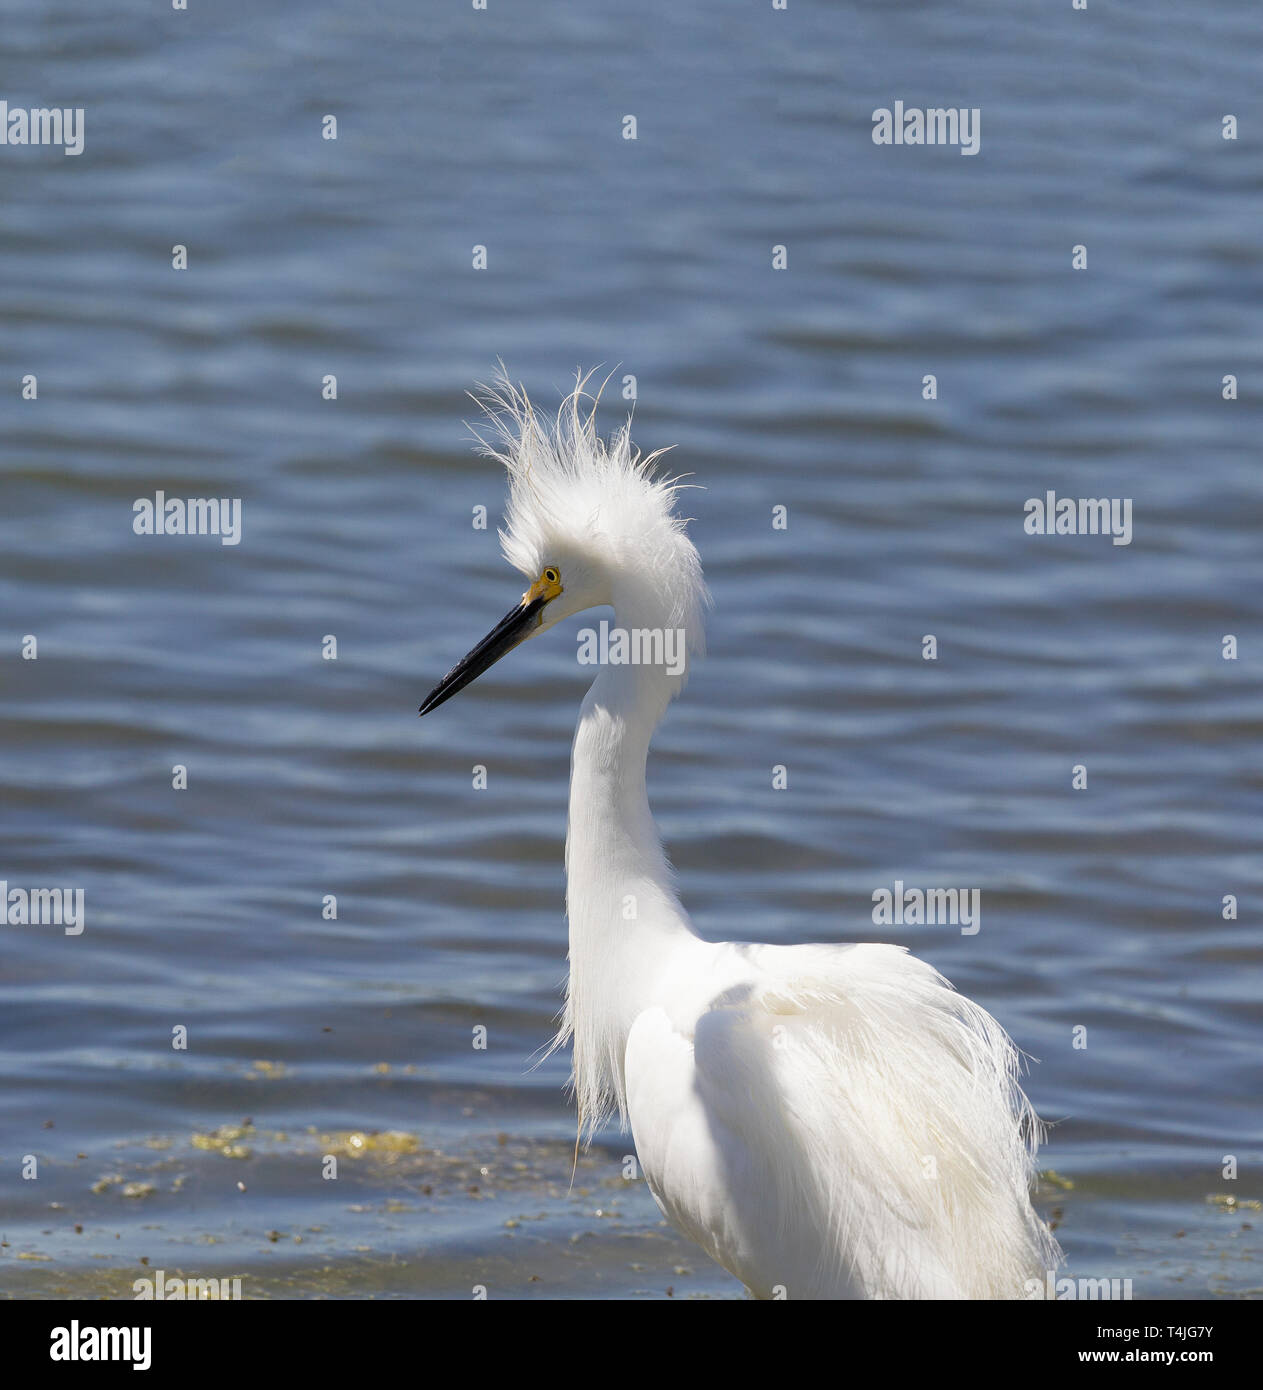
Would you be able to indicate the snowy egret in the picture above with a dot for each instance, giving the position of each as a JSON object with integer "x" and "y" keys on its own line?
{"x": 825, "y": 1121}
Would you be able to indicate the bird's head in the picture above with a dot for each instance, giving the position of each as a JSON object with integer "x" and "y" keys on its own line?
{"x": 588, "y": 525}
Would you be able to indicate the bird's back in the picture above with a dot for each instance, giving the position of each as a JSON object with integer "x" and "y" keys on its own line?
{"x": 836, "y": 1121}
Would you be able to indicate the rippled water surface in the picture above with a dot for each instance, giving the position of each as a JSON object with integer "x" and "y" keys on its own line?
{"x": 802, "y": 388}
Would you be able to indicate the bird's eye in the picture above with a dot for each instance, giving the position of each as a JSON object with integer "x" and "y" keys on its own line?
{"x": 550, "y": 576}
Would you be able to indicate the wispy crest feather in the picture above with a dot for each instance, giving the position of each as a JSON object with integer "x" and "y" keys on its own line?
{"x": 574, "y": 494}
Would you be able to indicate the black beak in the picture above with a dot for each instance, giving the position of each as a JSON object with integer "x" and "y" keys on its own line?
{"x": 514, "y": 627}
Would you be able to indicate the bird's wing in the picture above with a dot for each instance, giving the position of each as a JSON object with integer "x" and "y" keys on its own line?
{"x": 706, "y": 1156}
{"x": 837, "y": 1120}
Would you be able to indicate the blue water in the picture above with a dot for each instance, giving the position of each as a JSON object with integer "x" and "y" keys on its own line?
{"x": 801, "y": 388}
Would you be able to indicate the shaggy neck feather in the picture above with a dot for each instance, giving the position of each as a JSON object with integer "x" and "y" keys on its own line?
{"x": 619, "y": 894}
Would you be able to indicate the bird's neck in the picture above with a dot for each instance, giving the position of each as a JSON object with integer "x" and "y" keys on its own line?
{"x": 624, "y": 914}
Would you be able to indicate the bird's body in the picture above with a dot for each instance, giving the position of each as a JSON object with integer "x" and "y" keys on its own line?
{"x": 825, "y": 1121}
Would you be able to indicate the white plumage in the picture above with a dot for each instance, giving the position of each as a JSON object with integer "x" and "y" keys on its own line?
{"x": 825, "y": 1121}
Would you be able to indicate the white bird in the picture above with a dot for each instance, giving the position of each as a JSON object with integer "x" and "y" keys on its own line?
{"x": 825, "y": 1121}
